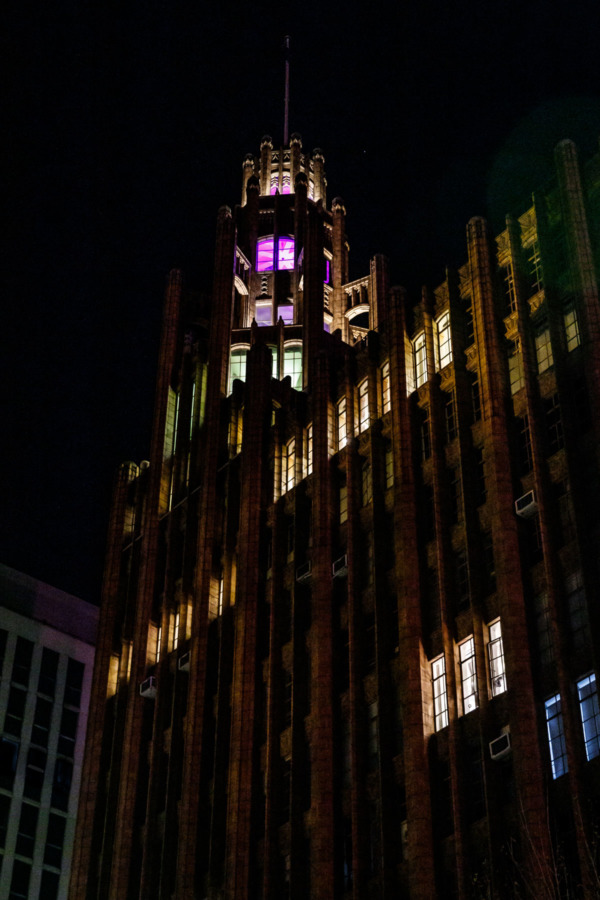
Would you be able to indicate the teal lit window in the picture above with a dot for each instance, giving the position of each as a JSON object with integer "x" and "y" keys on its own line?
{"x": 292, "y": 365}
{"x": 237, "y": 366}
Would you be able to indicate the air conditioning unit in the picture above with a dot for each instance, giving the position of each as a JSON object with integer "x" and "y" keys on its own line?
{"x": 183, "y": 663}
{"x": 526, "y": 506}
{"x": 340, "y": 567}
{"x": 148, "y": 688}
{"x": 304, "y": 572}
{"x": 500, "y": 746}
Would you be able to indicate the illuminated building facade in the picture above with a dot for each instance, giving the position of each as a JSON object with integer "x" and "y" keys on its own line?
{"x": 349, "y": 638}
{"x": 46, "y": 660}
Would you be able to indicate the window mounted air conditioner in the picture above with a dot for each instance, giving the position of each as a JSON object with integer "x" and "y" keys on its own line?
{"x": 304, "y": 572}
{"x": 500, "y": 746}
{"x": 340, "y": 567}
{"x": 148, "y": 688}
{"x": 183, "y": 663}
{"x": 526, "y": 505}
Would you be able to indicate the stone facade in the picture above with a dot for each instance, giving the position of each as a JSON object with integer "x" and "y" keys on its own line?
{"x": 335, "y": 659}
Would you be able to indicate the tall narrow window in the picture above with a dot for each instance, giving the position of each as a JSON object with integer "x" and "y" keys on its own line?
{"x": 496, "y": 659}
{"x": 440, "y": 693}
{"x": 516, "y": 373}
{"x": 509, "y": 289}
{"x": 587, "y": 691}
{"x": 158, "y": 642}
{"x": 341, "y": 423}
{"x": 425, "y": 433}
{"x": 556, "y": 438}
{"x": 343, "y": 503}
{"x": 525, "y": 450}
{"x": 420, "y": 358}
{"x": 543, "y": 628}
{"x": 444, "y": 341}
{"x": 309, "y": 449}
{"x": 543, "y": 350}
{"x": 469, "y": 324}
{"x": 367, "y": 484}
{"x": 363, "y": 405}
{"x": 386, "y": 397}
{"x": 389, "y": 465}
{"x": 289, "y": 467}
{"x": 450, "y": 416}
{"x": 534, "y": 265}
{"x": 468, "y": 675}
{"x": 571, "y": 328}
{"x": 475, "y": 395}
{"x": 556, "y": 736}
{"x": 373, "y": 735}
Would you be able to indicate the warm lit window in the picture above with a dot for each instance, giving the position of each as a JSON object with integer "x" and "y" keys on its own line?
{"x": 288, "y": 468}
{"x": 420, "y": 360}
{"x": 292, "y": 365}
{"x": 444, "y": 341}
{"x": 309, "y": 449}
{"x": 363, "y": 405}
{"x": 342, "y": 423}
{"x": 556, "y": 736}
{"x": 496, "y": 659}
{"x": 572, "y": 328}
{"x": 516, "y": 373}
{"x": 440, "y": 693}
{"x": 220, "y": 594}
{"x": 509, "y": 289}
{"x": 264, "y": 313}
{"x": 237, "y": 366}
{"x": 543, "y": 350}
{"x": 385, "y": 387}
{"x": 468, "y": 675}
{"x": 158, "y": 643}
{"x": 389, "y": 465}
{"x": 343, "y": 504}
{"x": 587, "y": 693}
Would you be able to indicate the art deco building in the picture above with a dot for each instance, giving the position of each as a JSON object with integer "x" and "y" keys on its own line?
{"x": 349, "y": 637}
{"x": 46, "y": 659}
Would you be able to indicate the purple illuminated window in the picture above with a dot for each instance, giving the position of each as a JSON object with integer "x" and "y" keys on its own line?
{"x": 285, "y": 255}
{"x": 264, "y": 314}
{"x": 287, "y": 314}
{"x": 327, "y": 271}
{"x": 264, "y": 255}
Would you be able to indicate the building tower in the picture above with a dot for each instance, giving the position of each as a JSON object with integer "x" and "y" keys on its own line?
{"x": 349, "y": 636}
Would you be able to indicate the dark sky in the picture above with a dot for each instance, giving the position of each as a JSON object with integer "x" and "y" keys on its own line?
{"x": 126, "y": 124}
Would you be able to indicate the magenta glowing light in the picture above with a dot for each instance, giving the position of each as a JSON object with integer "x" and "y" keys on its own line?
{"x": 265, "y": 254}
{"x": 285, "y": 254}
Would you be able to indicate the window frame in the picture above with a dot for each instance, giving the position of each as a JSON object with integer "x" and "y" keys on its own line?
{"x": 439, "y": 684}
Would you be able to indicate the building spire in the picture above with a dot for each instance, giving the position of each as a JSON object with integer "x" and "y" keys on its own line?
{"x": 286, "y": 45}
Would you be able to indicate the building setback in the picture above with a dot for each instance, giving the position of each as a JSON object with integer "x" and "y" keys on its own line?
{"x": 46, "y": 659}
{"x": 349, "y": 637}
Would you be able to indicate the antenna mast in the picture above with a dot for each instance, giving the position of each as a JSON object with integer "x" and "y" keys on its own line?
{"x": 287, "y": 90}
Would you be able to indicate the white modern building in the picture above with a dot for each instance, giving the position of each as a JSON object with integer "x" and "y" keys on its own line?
{"x": 47, "y": 640}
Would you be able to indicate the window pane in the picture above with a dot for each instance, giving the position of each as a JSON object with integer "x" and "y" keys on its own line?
{"x": 264, "y": 255}
{"x": 444, "y": 341}
{"x": 496, "y": 659}
{"x": 556, "y": 736}
{"x": 590, "y": 715}
{"x": 285, "y": 254}
{"x": 468, "y": 675}
{"x": 292, "y": 366}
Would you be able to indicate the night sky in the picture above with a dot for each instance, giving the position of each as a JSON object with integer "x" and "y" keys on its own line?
{"x": 126, "y": 125}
